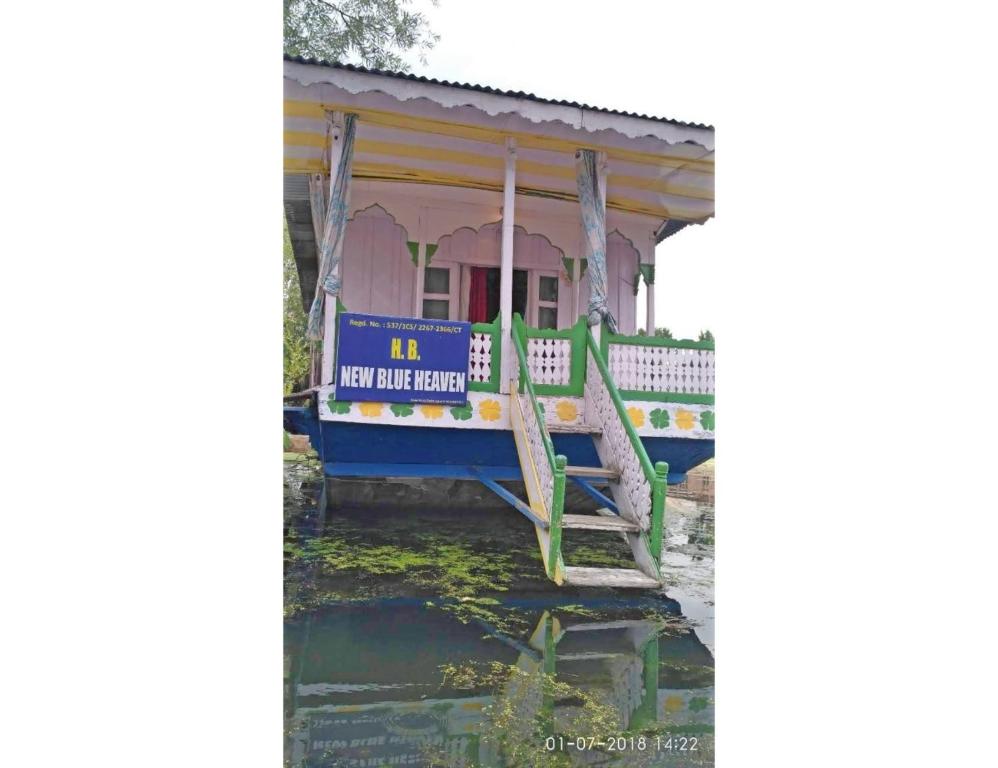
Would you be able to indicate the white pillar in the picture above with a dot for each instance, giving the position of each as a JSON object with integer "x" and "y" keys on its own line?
{"x": 506, "y": 270}
{"x": 329, "y": 302}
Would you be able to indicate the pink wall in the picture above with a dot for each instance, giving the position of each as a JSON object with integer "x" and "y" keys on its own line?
{"x": 378, "y": 273}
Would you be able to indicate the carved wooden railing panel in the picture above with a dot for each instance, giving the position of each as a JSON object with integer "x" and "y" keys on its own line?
{"x": 643, "y": 485}
{"x": 654, "y": 368}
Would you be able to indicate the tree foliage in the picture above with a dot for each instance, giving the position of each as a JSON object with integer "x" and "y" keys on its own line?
{"x": 662, "y": 333}
{"x": 371, "y": 32}
{"x": 706, "y": 336}
{"x": 296, "y": 346}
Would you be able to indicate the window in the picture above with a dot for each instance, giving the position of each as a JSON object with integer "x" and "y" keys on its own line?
{"x": 439, "y": 292}
{"x": 547, "y": 301}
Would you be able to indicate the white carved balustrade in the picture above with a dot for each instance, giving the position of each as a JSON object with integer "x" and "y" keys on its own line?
{"x": 549, "y": 360}
{"x": 480, "y": 356}
{"x": 640, "y": 368}
{"x": 623, "y": 456}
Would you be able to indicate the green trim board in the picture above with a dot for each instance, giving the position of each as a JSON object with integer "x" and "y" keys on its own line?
{"x": 606, "y": 339}
{"x": 667, "y": 397}
{"x": 647, "y": 271}
{"x": 413, "y": 247}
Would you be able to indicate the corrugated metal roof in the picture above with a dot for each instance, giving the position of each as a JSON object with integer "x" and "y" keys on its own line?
{"x": 494, "y": 91}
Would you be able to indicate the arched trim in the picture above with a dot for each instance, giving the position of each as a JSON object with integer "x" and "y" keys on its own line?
{"x": 385, "y": 211}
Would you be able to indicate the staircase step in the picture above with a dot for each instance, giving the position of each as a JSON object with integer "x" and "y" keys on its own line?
{"x": 598, "y": 523}
{"x": 609, "y": 577}
{"x": 574, "y": 429}
{"x": 603, "y": 472}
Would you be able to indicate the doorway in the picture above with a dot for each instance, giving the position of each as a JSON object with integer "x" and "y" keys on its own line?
{"x": 483, "y": 299}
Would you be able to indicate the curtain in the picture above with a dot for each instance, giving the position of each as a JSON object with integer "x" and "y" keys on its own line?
{"x": 334, "y": 231}
{"x": 594, "y": 222}
{"x": 478, "y": 296}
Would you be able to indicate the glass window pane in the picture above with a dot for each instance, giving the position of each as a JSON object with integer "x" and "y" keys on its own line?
{"x": 437, "y": 280}
{"x": 436, "y": 309}
{"x": 549, "y": 288}
{"x": 547, "y": 317}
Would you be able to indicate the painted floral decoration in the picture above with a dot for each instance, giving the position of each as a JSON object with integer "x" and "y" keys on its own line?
{"x": 401, "y": 409}
{"x": 707, "y": 420}
{"x": 685, "y": 419}
{"x": 659, "y": 418}
{"x": 431, "y": 411}
{"x": 637, "y": 417}
{"x": 461, "y": 412}
{"x": 566, "y": 410}
{"x": 489, "y": 410}
{"x": 338, "y": 406}
{"x": 371, "y": 410}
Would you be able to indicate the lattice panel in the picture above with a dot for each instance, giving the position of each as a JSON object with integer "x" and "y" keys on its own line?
{"x": 662, "y": 369}
{"x": 549, "y": 360}
{"x": 540, "y": 457}
{"x": 632, "y": 477}
{"x": 480, "y": 357}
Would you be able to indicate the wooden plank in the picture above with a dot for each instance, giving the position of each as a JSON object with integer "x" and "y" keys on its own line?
{"x": 597, "y": 523}
{"x": 604, "y": 472}
{"x": 574, "y": 429}
{"x": 628, "y": 578}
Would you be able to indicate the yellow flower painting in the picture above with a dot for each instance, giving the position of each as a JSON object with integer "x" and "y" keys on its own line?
{"x": 431, "y": 411}
{"x": 489, "y": 410}
{"x": 371, "y": 410}
{"x": 685, "y": 419}
{"x": 566, "y": 410}
{"x": 637, "y": 417}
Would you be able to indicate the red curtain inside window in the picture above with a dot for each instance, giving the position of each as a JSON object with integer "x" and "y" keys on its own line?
{"x": 478, "y": 300}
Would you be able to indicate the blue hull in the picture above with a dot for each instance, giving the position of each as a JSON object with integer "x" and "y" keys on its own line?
{"x": 434, "y": 450}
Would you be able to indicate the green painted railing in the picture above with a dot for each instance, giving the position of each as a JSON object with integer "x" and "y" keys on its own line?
{"x": 494, "y": 330}
{"x": 606, "y": 339}
{"x": 576, "y": 337}
{"x": 556, "y": 463}
{"x": 656, "y": 475}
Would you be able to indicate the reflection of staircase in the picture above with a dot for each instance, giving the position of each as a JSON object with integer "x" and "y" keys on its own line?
{"x": 635, "y": 504}
{"x": 618, "y": 660}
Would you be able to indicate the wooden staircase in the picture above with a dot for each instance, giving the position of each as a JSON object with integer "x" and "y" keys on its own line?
{"x": 545, "y": 474}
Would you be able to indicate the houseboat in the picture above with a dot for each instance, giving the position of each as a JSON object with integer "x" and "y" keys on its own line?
{"x": 518, "y": 228}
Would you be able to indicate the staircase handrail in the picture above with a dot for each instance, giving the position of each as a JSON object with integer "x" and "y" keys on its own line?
{"x": 555, "y": 504}
{"x": 655, "y": 475}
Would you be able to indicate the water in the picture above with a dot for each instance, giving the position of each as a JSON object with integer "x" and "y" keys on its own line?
{"x": 434, "y": 639}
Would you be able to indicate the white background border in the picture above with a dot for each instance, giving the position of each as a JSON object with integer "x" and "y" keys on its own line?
{"x": 141, "y": 558}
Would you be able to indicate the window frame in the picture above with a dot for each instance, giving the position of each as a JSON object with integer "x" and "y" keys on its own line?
{"x": 534, "y": 302}
{"x": 454, "y": 284}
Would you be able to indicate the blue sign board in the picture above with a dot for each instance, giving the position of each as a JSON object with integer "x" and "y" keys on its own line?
{"x": 402, "y": 359}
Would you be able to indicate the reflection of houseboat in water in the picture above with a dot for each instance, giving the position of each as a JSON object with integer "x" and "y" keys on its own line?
{"x": 367, "y": 688}
{"x": 535, "y": 221}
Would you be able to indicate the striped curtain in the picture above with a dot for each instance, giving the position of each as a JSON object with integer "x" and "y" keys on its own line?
{"x": 594, "y": 222}
{"x": 334, "y": 232}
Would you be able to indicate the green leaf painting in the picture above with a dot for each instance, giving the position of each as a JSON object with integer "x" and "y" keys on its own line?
{"x": 659, "y": 418}
{"x": 461, "y": 412}
{"x": 402, "y": 409}
{"x": 698, "y": 703}
{"x": 707, "y": 420}
{"x": 338, "y": 406}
